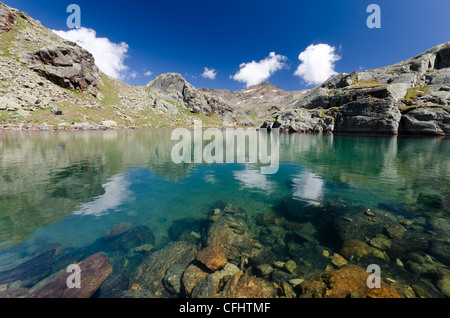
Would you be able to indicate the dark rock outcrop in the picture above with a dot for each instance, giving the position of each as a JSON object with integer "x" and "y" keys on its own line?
{"x": 67, "y": 65}
{"x": 426, "y": 121}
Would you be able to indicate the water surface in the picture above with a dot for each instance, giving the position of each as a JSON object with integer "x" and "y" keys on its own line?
{"x": 69, "y": 188}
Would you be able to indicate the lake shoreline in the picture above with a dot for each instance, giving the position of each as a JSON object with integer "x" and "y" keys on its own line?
{"x": 38, "y": 129}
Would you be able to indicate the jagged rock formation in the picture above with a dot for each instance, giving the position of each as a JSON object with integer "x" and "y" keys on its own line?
{"x": 67, "y": 65}
{"x": 411, "y": 97}
{"x": 172, "y": 90}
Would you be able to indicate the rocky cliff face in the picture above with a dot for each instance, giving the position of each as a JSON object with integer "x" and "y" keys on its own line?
{"x": 411, "y": 97}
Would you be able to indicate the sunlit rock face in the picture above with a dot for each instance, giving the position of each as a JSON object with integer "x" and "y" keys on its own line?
{"x": 410, "y": 97}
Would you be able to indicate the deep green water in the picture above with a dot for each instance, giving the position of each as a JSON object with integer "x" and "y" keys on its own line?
{"x": 69, "y": 188}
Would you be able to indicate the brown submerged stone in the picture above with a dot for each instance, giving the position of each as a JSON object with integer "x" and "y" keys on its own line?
{"x": 94, "y": 271}
{"x": 349, "y": 281}
{"x": 212, "y": 257}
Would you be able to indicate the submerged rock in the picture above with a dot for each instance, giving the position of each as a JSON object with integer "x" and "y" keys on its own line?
{"x": 117, "y": 230}
{"x": 440, "y": 248}
{"x": 444, "y": 285}
{"x": 94, "y": 271}
{"x": 290, "y": 266}
{"x": 264, "y": 270}
{"x": 228, "y": 229}
{"x": 343, "y": 283}
{"x": 172, "y": 278}
{"x": 30, "y": 272}
{"x": 130, "y": 238}
{"x": 362, "y": 226}
{"x": 191, "y": 277}
{"x": 204, "y": 288}
{"x": 338, "y": 261}
{"x": 114, "y": 286}
{"x": 149, "y": 275}
{"x": 381, "y": 242}
{"x": 212, "y": 257}
{"x": 242, "y": 285}
{"x": 186, "y": 229}
{"x": 357, "y": 249}
{"x": 395, "y": 231}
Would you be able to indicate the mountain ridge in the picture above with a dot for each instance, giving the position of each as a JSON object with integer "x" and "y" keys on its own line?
{"x": 49, "y": 83}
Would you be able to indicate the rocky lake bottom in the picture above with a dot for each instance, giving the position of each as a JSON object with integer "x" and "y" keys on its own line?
{"x": 140, "y": 226}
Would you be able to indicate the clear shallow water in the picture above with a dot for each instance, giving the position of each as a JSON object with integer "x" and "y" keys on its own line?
{"x": 70, "y": 188}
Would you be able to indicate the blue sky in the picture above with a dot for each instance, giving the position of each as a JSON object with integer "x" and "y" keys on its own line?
{"x": 187, "y": 36}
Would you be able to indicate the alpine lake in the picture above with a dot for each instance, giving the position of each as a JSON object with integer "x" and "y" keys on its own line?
{"x": 67, "y": 192}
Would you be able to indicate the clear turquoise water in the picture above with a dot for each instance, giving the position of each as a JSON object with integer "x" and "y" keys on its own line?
{"x": 69, "y": 188}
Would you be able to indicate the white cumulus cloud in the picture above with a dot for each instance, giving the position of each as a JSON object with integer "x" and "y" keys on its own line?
{"x": 317, "y": 63}
{"x": 211, "y": 74}
{"x": 109, "y": 56}
{"x": 254, "y": 72}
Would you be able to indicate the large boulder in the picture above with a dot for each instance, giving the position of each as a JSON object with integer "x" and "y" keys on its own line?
{"x": 149, "y": 275}
{"x": 228, "y": 230}
{"x": 66, "y": 64}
